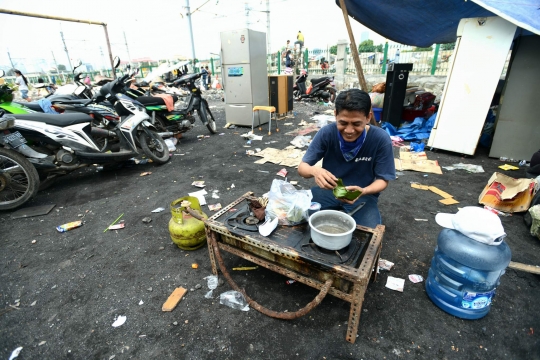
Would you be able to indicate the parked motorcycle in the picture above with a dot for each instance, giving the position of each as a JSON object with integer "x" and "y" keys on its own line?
{"x": 19, "y": 179}
{"x": 66, "y": 142}
{"x": 321, "y": 88}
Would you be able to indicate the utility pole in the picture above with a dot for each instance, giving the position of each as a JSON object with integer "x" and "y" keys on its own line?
{"x": 246, "y": 7}
{"x": 127, "y": 48}
{"x": 66, "y": 50}
{"x": 56, "y": 64}
{"x": 188, "y": 14}
{"x": 11, "y": 61}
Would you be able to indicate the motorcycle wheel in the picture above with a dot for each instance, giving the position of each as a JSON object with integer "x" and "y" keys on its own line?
{"x": 207, "y": 117}
{"x": 19, "y": 179}
{"x": 332, "y": 92}
{"x": 154, "y": 147}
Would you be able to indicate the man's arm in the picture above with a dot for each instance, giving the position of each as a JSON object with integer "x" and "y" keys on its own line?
{"x": 323, "y": 178}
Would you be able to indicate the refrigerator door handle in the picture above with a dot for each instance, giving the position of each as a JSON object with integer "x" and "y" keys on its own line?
{"x": 240, "y": 106}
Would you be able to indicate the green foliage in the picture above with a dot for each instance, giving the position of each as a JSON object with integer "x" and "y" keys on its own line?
{"x": 61, "y": 67}
{"x": 423, "y": 49}
{"x": 333, "y": 49}
{"x": 368, "y": 46}
{"x": 450, "y": 46}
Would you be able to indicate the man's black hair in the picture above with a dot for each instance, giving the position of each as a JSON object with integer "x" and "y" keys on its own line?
{"x": 353, "y": 100}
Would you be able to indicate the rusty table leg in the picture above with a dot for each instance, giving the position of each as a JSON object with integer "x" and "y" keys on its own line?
{"x": 211, "y": 251}
{"x": 356, "y": 309}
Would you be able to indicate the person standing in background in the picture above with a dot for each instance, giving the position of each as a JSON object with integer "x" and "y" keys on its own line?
{"x": 299, "y": 40}
{"x": 22, "y": 82}
{"x": 209, "y": 83}
{"x": 396, "y": 59}
{"x": 204, "y": 77}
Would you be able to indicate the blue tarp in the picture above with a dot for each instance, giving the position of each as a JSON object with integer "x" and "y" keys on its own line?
{"x": 419, "y": 129}
{"x": 428, "y": 22}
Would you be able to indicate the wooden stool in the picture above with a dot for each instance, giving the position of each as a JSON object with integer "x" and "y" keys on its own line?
{"x": 270, "y": 109}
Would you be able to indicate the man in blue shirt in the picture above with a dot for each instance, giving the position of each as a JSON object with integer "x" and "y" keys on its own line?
{"x": 360, "y": 154}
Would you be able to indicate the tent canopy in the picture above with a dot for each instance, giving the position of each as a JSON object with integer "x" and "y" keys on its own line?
{"x": 424, "y": 23}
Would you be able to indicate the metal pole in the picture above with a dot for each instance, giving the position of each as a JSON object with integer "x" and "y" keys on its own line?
{"x": 354, "y": 48}
{"x": 127, "y": 48}
{"x": 110, "y": 52}
{"x": 385, "y": 57}
{"x": 11, "y": 61}
{"x": 268, "y": 48}
{"x": 246, "y": 7}
{"x": 435, "y": 58}
{"x": 66, "y": 50}
{"x": 58, "y": 70}
{"x": 188, "y": 14}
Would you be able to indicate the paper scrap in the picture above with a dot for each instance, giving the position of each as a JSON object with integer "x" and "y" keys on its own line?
{"x": 394, "y": 283}
{"x": 440, "y": 192}
{"x": 418, "y": 186}
{"x": 200, "y": 196}
{"x": 385, "y": 264}
{"x": 283, "y": 172}
{"x": 119, "y": 321}
{"x": 15, "y": 353}
{"x": 449, "y": 201}
{"x": 145, "y": 173}
{"x": 416, "y": 278}
{"x": 117, "y": 226}
{"x": 214, "y": 207}
{"x": 421, "y": 219}
{"x": 198, "y": 183}
{"x": 508, "y": 167}
{"x": 158, "y": 210}
{"x": 425, "y": 166}
{"x": 293, "y": 182}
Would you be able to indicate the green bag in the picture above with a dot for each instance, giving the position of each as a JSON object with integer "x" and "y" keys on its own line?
{"x": 341, "y": 192}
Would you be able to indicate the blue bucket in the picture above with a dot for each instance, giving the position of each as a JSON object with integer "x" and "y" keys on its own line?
{"x": 377, "y": 113}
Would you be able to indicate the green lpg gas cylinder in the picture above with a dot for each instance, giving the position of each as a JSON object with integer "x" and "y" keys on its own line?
{"x": 186, "y": 231}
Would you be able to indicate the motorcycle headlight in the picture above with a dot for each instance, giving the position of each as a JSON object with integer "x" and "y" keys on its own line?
{"x": 7, "y": 122}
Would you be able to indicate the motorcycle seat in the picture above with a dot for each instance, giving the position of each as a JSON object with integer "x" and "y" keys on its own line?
{"x": 61, "y": 120}
{"x": 316, "y": 81}
{"x": 154, "y": 100}
{"x": 34, "y": 105}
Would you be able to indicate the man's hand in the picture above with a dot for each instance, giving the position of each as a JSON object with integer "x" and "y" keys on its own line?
{"x": 324, "y": 178}
{"x": 352, "y": 188}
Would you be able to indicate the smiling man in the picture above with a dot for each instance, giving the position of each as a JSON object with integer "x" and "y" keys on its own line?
{"x": 360, "y": 154}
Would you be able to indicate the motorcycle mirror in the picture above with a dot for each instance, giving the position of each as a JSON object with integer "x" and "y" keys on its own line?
{"x": 116, "y": 62}
{"x": 79, "y": 90}
{"x": 79, "y": 63}
{"x": 2, "y": 73}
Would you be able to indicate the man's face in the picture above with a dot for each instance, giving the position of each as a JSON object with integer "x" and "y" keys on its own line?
{"x": 351, "y": 124}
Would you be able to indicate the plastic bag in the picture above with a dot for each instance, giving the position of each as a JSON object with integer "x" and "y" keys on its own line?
{"x": 234, "y": 299}
{"x": 212, "y": 282}
{"x": 535, "y": 214}
{"x": 288, "y": 205}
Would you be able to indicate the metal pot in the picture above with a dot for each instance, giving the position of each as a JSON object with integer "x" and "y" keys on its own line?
{"x": 331, "y": 229}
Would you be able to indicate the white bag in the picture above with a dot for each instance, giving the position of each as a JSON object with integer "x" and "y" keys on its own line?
{"x": 287, "y": 203}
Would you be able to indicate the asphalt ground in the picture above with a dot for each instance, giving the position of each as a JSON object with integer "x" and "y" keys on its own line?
{"x": 71, "y": 287}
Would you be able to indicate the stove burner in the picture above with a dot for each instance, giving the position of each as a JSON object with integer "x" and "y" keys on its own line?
{"x": 251, "y": 220}
{"x": 343, "y": 254}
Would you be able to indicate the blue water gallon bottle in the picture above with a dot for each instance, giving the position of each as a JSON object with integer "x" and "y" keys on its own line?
{"x": 464, "y": 274}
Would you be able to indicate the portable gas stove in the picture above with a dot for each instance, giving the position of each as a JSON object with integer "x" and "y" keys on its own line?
{"x": 290, "y": 251}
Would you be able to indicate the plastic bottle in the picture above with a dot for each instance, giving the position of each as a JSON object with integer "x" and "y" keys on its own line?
{"x": 464, "y": 274}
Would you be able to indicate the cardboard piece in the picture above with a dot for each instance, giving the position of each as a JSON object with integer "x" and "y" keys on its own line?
{"x": 174, "y": 299}
{"x": 303, "y": 131}
{"x": 449, "y": 201}
{"x": 290, "y": 156}
{"x": 507, "y": 194}
{"x": 438, "y": 191}
{"x": 508, "y": 167}
{"x": 425, "y": 166}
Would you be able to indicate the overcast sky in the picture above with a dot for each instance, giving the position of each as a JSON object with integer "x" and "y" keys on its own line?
{"x": 159, "y": 29}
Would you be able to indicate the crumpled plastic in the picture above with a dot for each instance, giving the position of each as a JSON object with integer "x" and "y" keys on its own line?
{"x": 234, "y": 299}
{"x": 287, "y": 203}
{"x": 212, "y": 282}
{"x": 535, "y": 215}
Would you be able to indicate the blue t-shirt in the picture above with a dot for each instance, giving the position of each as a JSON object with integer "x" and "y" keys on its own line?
{"x": 375, "y": 160}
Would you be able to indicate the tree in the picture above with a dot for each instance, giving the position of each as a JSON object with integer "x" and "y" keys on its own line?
{"x": 333, "y": 49}
{"x": 366, "y": 46}
{"x": 423, "y": 49}
{"x": 450, "y": 46}
{"x": 61, "y": 67}
{"x": 379, "y": 48}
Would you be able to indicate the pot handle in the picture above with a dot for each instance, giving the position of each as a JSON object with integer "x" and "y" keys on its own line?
{"x": 275, "y": 314}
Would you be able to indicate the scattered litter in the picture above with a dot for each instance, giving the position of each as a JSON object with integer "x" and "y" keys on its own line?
{"x": 449, "y": 201}
{"x": 34, "y": 303}
{"x": 221, "y": 134}
{"x": 215, "y": 194}
{"x": 69, "y": 226}
{"x": 212, "y": 282}
{"x": 293, "y": 182}
{"x": 385, "y": 264}
{"x": 42, "y": 343}
{"x": 117, "y": 226}
{"x": 15, "y": 353}
{"x": 34, "y": 241}
{"x": 214, "y": 207}
{"x": 508, "y": 167}
{"x": 323, "y": 120}
{"x": 251, "y": 136}
{"x": 200, "y": 136}
{"x": 416, "y": 278}
{"x": 438, "y": 191}
{"x": 417, "y": 146}
{"x": 194, "y": 266}
{"x": 399, "y": 173}
{"x": 198, "y": 183}
{"x": 303, "y": 123}
{"x": 426, "y": 175}
{"x": 508, "y": 194}
{"x": 171, "y": 143}
{"x": 290, "y": 281}
{"x": 32, "y": 211}
{"x": 246, "y": 268}
{"x": 141, "y": 302}
{"x": 234, "y": 299}
{"x": 119, "y": 321}
{"x": 283, "y": 172}
{"x": 200, "y": 196}
{"x": 174, "y": 299}
{"x": 421, "y": 219}
{"x": 394, "y": 283}
{"x": 301, "y": 141}
{"x": 145, "y": 173}
{"x": 147, "y": 220}
{"x": 257, "y": 149}
{"x": 250, "y": 152}
{"x": 495, "y": 211}
{"x": 263, "y": 171}
{"x": 248, "y": 142}
{"x": 416, "y": 161}
{"x": 158, "y": 210}
{"x": 227, "y": 125}
{"x": 419, "y": 186}
{"x": 467, "y": 167}
{"x": 232, "y": 186}
{"x": 288, "y": 124}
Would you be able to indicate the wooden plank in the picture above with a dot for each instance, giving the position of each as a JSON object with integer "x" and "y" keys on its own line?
{"x": 524, "y": 267}
{"x": 174, "y": 299}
